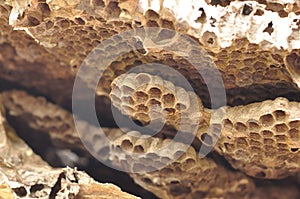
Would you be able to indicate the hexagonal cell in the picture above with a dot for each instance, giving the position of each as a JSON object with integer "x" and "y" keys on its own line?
{"x": 229, "y": 147}
{"x": 116, "y": 100}
{"x": 141, "y": 108}
{"x": 126, "y": 145}
{"x": 282, "y": 153}
{"x": 241, "y": 153}
{"x": 152, "y": 156}
{"x": 254, "y": 135}
{"x": 241, "y": 142}
{"x": 227, "y": 124}
{"x": 169, "y": 111}
{"x": 254, "y": 143}
{"x": 282, "y": 145}
{"x": 142, "y": 78}
{"x": 154, "y": 92}
{"x": 189, "y": 162}
{"x": 240, "y": 127}
{"x": 138, "y": 149}
{"x": 153, "y": 103}
{"x": 127, "y": 100}
{"x": 268, "y": 141}
{"x": 141, "y": 119}
{"x": 279, "y": 115}
{"x": 127, "y": 110}
{"x": 280, "y": 138}
{"x": 180, "y": 106}
{"x": 294, "y": 124}
{"x": 113, "y": 8}
{"x": 151, "y": 14}
{"x": 281, "y": 128}
{"x": 253, "y": 125}
{"x": 270, "y": 151}
{"x": 140, "y": 97}
{"x": 158, "y": 164}
{"x": 267, "y": 120}
{"x": 166, "y": 170}
{"x": 255, "y": 149}
{"x": 266, "y": 133}
{"x": 165, "y": 159}
{"x": 167, "y": 24}
{"x": 138, "y": 167}
{"x": 168, "y": 100}
{"x": 294, "y": 134}
{"x": 145, "y": 160}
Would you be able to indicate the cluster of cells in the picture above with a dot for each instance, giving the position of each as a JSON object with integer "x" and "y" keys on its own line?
{"x": 262, "y": 139}
{"x": 177, "y": 176}
{"x": 151, "y": 99}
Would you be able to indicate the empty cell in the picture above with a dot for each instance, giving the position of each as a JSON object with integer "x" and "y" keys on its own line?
{"x": 158, "y": 164}
{"x": 281, "y": 128}
{"x": 180, "y": 106}
{"x": 141, "y": 108}
{"x": 294, "y": 124}
{"x": 241, "y": 154}
{"x": 256, "y": 149}
{"x": 115, "y": 99}
{"x": 166, "y": 170}
{"x": 254, "y": 143}
{"x": 165, "y": 159}
{"x": 140, "y": 97}
{"x": 169, "y": 111}
{"x": 152, "y": 155}
{"x": 268, "y": 141}
{"x": 279, "y": 115}
{"x": 229, "y": 147}
{"x": 267, "y": 133}
{"x": 127, "y": 100}
{"x": 241, "y": 142}
{"x": 126, "y": 145}
{"x": 270, "y": 152}
{"x": 266, "y": 120}
{"x": 294, "y": 134}
{"x": 240, "y": 127}
{"x": 154, "y": 92}
{"x": 168, "y": 100}
{"x": 142, "y": 117}
{"x": 153, "y": 102}
{"x": 138, "y": 149}
{"x": 280, "y": 138}
{"x": 282, "y": 145}
{"x": 253, "y": 125}
{"x": 227, "y": 124}
{"x": 142, "y": 78}
{"x": 127, "y": 110}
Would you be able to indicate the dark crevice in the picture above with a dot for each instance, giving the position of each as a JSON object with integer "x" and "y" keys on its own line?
{"x": 41, "y": 144}
{"x": 57, "y": 186}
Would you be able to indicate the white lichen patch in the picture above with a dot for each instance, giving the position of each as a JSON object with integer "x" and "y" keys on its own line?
{"x": 229, "y": 23}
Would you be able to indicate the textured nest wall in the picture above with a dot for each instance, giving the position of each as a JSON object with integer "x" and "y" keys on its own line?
{"x": 255, "y": 45}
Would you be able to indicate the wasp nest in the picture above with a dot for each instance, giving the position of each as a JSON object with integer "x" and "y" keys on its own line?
{"x": 253, "y": 45}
